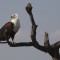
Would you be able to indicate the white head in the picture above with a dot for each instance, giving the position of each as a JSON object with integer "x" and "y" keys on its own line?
{"x": 14, "y": 16}
{"x": 16, "y": 22}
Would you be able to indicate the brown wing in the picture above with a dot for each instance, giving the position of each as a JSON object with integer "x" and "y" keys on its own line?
{"x": 9, "y": 27}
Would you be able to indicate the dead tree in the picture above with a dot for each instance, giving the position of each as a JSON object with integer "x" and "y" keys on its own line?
{"x": 53, "y": 49}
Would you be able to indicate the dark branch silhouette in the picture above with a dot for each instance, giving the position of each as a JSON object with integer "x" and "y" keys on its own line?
{"x": 53, "y": 49}
{"x": 20, "y": 44}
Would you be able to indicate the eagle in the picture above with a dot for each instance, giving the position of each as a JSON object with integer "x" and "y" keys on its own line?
{"x": 9, "y": 29}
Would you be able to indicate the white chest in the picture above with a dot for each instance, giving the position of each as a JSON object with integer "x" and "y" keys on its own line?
{"x": 16, "y": 23}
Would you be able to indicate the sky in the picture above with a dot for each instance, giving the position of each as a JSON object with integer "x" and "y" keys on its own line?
{"x": 47, "y": 16}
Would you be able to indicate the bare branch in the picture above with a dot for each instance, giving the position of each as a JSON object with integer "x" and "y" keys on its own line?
{"x": 33, "y": 30}
{"x": 56, "y": 45}
{"x": 20, "y": 44}
{"x": 46, "y": 40}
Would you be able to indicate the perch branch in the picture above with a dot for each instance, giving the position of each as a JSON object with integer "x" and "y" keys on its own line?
{"x": 20, "y": 44}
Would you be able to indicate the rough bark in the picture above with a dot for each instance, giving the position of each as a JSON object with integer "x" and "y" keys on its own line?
{"x": 53, "y": 49}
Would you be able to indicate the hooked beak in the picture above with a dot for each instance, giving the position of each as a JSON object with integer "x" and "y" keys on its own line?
{"x": 11, "y": 16}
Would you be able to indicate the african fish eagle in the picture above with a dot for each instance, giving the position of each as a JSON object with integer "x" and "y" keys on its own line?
{"x": 10, "y": 28}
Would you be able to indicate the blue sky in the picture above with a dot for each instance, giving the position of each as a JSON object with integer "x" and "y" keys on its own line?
{"x": 47, "y": 16}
